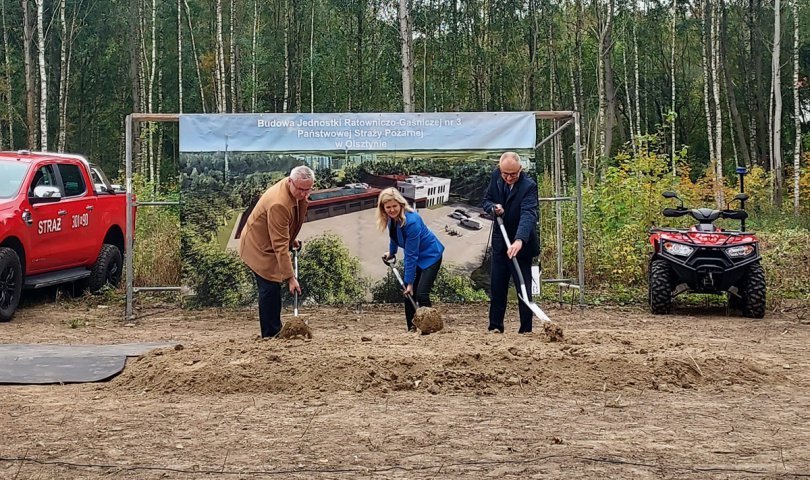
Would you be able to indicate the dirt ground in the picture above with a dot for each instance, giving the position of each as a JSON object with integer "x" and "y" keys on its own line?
{"x": 697, "y": 394}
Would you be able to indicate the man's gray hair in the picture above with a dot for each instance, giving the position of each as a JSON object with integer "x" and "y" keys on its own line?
{"x": 511, "y": 156}
{"x": 302, "y": 172}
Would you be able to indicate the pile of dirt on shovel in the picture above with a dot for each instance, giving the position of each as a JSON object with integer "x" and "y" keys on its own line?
{"x": 428, "y": 320}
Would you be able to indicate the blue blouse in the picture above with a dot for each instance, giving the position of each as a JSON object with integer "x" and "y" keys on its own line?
{"x": 420, "y": 244}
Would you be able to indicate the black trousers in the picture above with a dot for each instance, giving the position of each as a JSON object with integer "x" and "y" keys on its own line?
{"x": 422, "y": 285}
{"x": 269, "y": 306}
{"x": 502, "y": 269}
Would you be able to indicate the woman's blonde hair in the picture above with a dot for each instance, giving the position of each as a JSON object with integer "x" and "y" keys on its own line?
{"x": 387, "y": 195}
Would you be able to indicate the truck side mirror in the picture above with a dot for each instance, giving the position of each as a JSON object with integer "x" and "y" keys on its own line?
{"x": 46, "y": 194}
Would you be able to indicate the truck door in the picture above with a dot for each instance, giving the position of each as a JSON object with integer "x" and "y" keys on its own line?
{"x": 46, "y": 220}
{"x": 79, "y": 203}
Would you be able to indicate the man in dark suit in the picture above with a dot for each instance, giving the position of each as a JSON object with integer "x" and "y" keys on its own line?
{"x": 511, "y": 195}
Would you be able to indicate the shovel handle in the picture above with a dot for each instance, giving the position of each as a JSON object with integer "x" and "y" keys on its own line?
{"x": 390, "y": 264}
{"x": 295, "y": 269}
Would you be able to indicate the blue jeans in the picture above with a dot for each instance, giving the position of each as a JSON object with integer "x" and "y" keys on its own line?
{"x": 422, "y": 285}
{"x": 269, "y": 306}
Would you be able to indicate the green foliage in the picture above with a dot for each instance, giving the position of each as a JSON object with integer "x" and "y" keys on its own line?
{"x": 620, "y": 209}
{"x": 786, "y": 259}
{"x": 218, "y": 278}
{"x": 328, "y": 272}
{"x": 450, "y": 287}
{"x": 157, "y": 242}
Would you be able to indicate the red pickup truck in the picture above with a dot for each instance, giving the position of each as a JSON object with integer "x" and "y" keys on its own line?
{"x": 60, "y": 221}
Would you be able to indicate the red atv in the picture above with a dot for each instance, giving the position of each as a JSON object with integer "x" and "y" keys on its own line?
{"x": 707, "y": 259}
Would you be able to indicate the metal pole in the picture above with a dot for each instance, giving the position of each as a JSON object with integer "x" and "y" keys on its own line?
{"x": 556, "y": 155}
{"x": 130, "y": 224}
{"x": 553, "y": 134}
{"x": 580, "y": 234}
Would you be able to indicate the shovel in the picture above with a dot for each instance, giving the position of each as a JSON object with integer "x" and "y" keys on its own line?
{"x": 295, "y": 295}
{"x": 536, "y": 310}
{"x": 297, "y": 327}
{"x": 426, "y": 319}
{"x": 390, "y": 264}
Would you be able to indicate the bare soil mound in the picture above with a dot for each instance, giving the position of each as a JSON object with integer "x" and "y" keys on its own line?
{"x": 456, "y": 360}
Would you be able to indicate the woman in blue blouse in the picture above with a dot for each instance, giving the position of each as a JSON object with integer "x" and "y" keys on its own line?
{"x": 423, "y": 251}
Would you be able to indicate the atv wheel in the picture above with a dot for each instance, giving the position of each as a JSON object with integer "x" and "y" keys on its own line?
{"x": 107, "y": 270}
{"x": 10, "y": 283}
{"x": 753, "y": 292}
{"x": 660, "y": 287}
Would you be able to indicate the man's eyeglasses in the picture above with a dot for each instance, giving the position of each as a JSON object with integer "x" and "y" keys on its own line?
{"x": 303, "y": 190}
{"x": 510, "y": 174}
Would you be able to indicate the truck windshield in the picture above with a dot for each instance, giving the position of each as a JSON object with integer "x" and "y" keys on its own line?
{"x": 11, "y": 177}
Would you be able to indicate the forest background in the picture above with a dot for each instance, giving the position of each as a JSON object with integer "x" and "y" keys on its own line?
{"x": 672, "y": 95}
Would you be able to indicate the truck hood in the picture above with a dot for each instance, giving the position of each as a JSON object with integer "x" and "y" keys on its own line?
{"x": 6, "y": 204}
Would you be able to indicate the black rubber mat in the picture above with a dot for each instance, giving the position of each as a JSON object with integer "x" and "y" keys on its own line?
{"x": 45, "y": 363}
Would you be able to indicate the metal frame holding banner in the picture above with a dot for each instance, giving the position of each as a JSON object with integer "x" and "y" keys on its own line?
{"x": 241, "y": 135}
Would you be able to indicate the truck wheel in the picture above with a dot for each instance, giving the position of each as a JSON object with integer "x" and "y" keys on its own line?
{"x": 10, "y": 283}
{"x": 660, "y": 287}
{"x": 107, "y": 270}
{"x": 753, "y": 292}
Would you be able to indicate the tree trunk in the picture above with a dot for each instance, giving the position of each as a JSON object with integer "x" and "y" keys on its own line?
{"x": 43, "y": 79}
{"x": 196, "y": 57}
{"x": 406, "y": 36}
{"x": 9, "y": 91}
{"x": 63, "y": 71}
{"x": 222, "y": 102}
{"x": 762, "y": 152}
{"x": 718, "y": 115}
{"x": 135, "y": 75}
{"x": 30, "y": 86}
{"x": 312, "y": 59}
{"x": 232, "y": 61}
{"x": 707, "y": 79}
{"x": 179, "y": 57}
{"x": 797, "y": 142}
{"x": 254, "y": 81}
{"x": 776, "y": 92}
{"x": 736, "y": 119}
{"x": 635, "y": 69}
{"x": 673, "y": 114}
{"x": 286, "y": 19}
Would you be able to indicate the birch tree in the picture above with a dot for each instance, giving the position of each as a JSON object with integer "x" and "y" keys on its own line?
{"x": 607, "y": 94}
{"x": 797, "y": 118}
{"x": 673, "y": 115}
{"x": 179, "y": 57}
{"x": 406, "y": 37}
{"x": 253, "y": 42}
{"x": 707, "y": 79}
{"x": 286, "y": 19}
{"x": 220, "y": 83}
{"x": 718, "y": 115}
{"x": 776, "y": 112}
{"x": 43, "y": 79}
{"x": 232, "y": 60}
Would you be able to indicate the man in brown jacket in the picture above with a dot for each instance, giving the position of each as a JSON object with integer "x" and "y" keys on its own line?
{"x": 269, "y": 234}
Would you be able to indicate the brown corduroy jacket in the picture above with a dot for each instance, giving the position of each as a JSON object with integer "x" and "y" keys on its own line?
{"x": 270, "y": 230}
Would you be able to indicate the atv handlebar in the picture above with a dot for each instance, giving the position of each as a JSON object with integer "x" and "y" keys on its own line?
{"x": 675, "y": 212}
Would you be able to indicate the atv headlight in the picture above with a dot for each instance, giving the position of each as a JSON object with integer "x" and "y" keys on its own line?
{"x": 678, "y": 249}
{"x": 740, "y": 251}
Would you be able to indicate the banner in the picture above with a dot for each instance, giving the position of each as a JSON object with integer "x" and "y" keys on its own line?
{"x": 441, "y": 163}
{"x": 345, "y": 132}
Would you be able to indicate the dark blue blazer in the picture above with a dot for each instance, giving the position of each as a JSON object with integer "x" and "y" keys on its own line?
{"x": 421, "y": 246}
{"x": 520, "y": 213}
